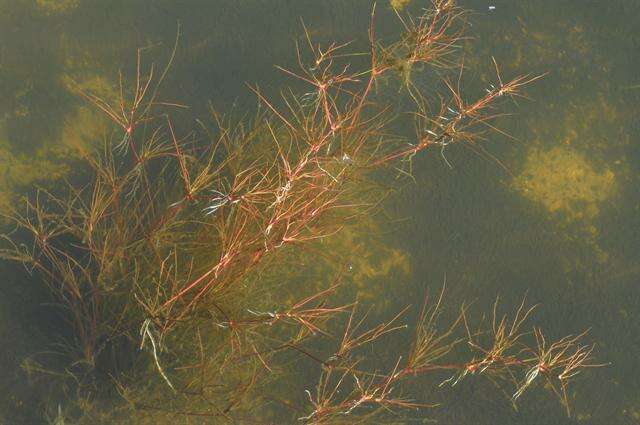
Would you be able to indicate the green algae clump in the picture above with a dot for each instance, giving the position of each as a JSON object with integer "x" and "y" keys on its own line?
{"x": 399, "y": 4}
{"x": 563, "y": 180}
{"x": 56, "y": 7}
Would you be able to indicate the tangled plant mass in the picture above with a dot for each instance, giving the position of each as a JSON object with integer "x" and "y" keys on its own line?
{"x": 158, "y": 258}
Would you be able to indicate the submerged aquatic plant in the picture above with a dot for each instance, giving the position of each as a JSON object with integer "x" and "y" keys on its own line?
{"x": 167, "y": 246}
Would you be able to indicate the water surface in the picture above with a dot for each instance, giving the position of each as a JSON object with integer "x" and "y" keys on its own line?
{"x": 552, "y": 213}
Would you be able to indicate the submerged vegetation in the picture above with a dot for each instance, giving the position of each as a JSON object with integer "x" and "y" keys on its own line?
{"x": 57, "y": 6}
{"x": 563, "y": 181}
{"x": 174, "y": 268}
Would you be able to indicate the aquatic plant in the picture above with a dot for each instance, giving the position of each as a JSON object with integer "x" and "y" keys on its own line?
{"x": 160, "y": 260}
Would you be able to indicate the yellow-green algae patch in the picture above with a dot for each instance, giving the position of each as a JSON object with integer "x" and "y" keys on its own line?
{"x": 55, "y": 7}
{"x": 563, "y": 180}
{"x": 81, "y": 129}
{"x": 22, "y": 170}
{"x": 572, "y": 189}
{"x": 358, "y": 258}
{"x": 374, "y": 268}
{"x": 399, "y": 4}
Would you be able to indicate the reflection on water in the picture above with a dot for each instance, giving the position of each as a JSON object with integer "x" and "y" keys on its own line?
{"x": 562, "y": 223}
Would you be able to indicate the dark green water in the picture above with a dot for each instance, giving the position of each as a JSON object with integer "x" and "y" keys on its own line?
{"x": 555, "y": 216}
